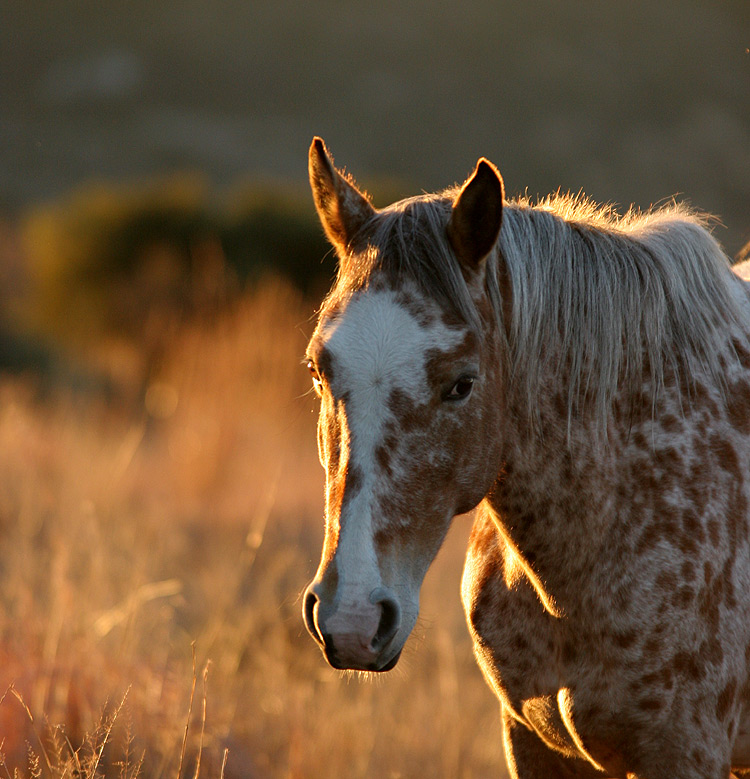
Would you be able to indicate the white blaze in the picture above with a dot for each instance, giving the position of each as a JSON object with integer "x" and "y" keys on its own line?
{"x": 377, "y": 347}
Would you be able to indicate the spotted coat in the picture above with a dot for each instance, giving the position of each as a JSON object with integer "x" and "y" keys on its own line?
{"x": 607, "y": 581}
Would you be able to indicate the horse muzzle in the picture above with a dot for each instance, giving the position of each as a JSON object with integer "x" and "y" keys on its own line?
{"x": 355, "y": 633}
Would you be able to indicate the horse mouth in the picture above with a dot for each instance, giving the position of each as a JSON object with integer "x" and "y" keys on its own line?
{"x": 375, "y": 667}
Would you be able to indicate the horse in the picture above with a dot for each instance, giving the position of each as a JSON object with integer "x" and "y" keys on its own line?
{"x": 581, "y": 378}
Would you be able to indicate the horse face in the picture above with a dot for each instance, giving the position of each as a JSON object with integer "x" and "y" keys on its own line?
{"x": 407, "y": 405}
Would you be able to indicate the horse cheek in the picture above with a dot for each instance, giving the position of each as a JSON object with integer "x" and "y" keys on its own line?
{"x": 483, "y": 435}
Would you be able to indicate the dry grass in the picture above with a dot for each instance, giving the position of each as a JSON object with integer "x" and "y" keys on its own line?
{"x": 127, "y": 538}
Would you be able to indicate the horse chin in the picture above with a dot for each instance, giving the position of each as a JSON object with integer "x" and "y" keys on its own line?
{"x": 391, "y": 663}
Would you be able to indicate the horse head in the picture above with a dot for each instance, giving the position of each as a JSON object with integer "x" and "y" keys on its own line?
{"x": 405, "y": 362}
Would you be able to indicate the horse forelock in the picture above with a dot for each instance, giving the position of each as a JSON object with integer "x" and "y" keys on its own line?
{"x": 404, "y": 245}
{"x": 602, "y": 294}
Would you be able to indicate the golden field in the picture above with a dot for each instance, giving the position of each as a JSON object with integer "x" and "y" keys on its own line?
{"x": 160, "y": 496}
{"x": 154, "y": 543}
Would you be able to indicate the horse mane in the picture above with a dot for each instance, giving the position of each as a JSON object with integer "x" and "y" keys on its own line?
{"x": 620, "y": 295}
{"x": 605, "y": 296}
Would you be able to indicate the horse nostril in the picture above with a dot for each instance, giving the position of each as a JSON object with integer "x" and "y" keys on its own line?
{"x": 390, "y": 618}
{"x": 308, "y": 611}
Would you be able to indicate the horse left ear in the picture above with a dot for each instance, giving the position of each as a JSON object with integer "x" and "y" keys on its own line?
{"x": 342, "y": 208}
{"x": 477, "y": 214}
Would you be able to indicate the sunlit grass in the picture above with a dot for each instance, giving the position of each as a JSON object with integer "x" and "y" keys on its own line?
{"x": 152, "y": 560}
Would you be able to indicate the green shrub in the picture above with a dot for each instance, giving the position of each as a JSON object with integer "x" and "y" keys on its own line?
{"x": 134, "y": 261}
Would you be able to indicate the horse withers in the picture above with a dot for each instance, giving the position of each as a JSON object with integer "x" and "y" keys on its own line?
{"x": 584, "y": 380}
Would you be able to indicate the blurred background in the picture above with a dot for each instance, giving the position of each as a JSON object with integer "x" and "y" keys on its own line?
{"x": 160, "y": 265}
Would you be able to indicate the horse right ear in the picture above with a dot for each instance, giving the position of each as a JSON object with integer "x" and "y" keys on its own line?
{"x": 342, "y": 208}
{"x": 476, "y": 215}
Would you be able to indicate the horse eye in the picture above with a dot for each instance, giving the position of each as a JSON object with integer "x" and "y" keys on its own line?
{"x": 316, "y": 380}
{"x": 461, "y": 389}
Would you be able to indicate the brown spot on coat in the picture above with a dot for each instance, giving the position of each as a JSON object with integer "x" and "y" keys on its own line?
{"x": 663, "y": 677}
{"x": 670, "y": 423}
{"x": 650, "y": 704}
{"x": 693, "y": 529}
{"x": 384, "y": 453}
{"x": 687, "y": 571}
{"x": 697, "y": 486}
{"x": 713, "y": 528}
{"x": 726, "y": 454}
{"x": 648, "y": 539}
{"x": 409, "y": 414}
{"x": 625, "y": 639}
{"x": 683, "y": 598}
{"x": 420, "y": 313}
{"x": 711, "y": 651}
{"x": 687, "y": 664}
{"x": 738, "y": 406}
{"x": 743, "y": 353}
{"x": 652, "y": 646}
{"x": 726, "y": 699}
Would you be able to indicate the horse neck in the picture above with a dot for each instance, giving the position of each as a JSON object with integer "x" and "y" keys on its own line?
{"x": 565, "y": 496}
{"x": 552, "y": 499}
{"x": 558, "y": 499}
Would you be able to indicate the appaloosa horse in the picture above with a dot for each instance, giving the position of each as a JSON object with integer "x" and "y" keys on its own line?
{"x": 584, "y": 379}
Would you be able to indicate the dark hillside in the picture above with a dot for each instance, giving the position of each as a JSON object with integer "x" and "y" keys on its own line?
{"x": 631, "y": 102}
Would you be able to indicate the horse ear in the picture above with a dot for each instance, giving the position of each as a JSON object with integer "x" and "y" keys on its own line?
{"x": 477, "y": 215}
{"x": 342, "y": 208}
